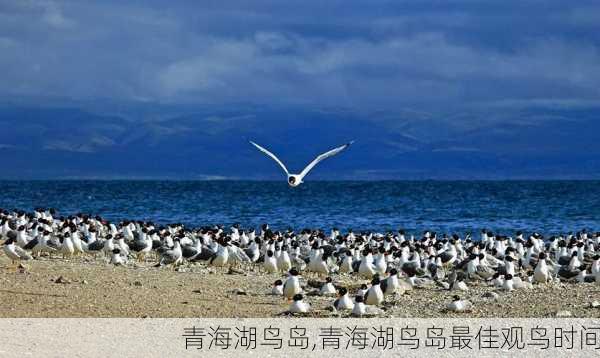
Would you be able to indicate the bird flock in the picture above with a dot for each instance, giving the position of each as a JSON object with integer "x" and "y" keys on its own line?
{"x": 384, "y": 264}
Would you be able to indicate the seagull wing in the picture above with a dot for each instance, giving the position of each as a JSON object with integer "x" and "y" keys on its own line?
{"x": 284, "y": 285}
{"x": 271, "y": 155}
{"x": 322, "y": 157}
{"x": 168, "y": 257}
{"x": 238, "y": 254}
{"x": 23, "y": 255}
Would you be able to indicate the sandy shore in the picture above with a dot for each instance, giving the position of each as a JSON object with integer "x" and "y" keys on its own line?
{"x": 91, "y": 288}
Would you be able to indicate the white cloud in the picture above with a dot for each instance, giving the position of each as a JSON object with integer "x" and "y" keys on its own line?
{"x": 247, "y": 54}
{"x": 53, "y": 16}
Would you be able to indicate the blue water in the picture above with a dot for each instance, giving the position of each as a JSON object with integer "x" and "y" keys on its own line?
{"x": 545, "y": 206}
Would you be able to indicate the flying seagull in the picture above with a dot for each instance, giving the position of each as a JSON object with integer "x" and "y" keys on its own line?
{"x": 296, "y": 179}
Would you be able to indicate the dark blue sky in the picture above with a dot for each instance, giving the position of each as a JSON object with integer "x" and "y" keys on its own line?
{"x": 427, "y": 70}
{"x": 341, "y": 53}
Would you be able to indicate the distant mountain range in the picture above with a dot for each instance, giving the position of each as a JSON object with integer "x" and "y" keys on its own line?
{"x": 211, "y": 142}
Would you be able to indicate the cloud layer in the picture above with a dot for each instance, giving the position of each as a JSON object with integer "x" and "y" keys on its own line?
{"x": 385, "y": 54}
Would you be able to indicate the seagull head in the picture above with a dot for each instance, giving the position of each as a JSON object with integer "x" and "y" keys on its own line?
{"x": 294, "y": 181}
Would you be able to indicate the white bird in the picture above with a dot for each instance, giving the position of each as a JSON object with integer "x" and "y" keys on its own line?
{"x": 497, "y": 280}
{"x": 519, "y": 284}
{"x": 77, "y": 246}
{"x": 14, "y": 252}
{"x": 380, "y": 264}
{"x": 458, "y": 305}
{"x": 391, "y": 284}
{"x": 270, "y": 262}
{"x": 346, "y": 266}
{"x": 42, "y": 244}
{"x": 459, "y": 285}
{"x": 67, "y": 247}
{"x": 328, "y": 289}
{"x": 116, "y": 258}
{"x": 22, "y": 237}
{"x": 299, "y": 306}
{"x": 362, "y": 290}
{"x": 109, "y": 245}
{"x": 237, "y": 255}
{"x": 360, "y": 309}
{"x": 366, "y": 268}
{"x": 508, "y": 284}
{"x": 374, "y": 295}
{"x": 221, "y": 257}
{"x": 283, "y": 261}
{"x": 296, "y": 179}
{"x": 291, "y": 286}
{"x": 343, "y": 302}
{"x": 277, "y": 289}
{"x": 541, "y": 274}
{"x": 124, "y": 248}
{"x": 172, "y": 256}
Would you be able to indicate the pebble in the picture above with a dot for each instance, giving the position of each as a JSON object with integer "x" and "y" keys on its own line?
{"x": 137, "y": 283}
{"x": 491, "y": 295}
{"x": 563, "y": 314}
{"x": 594, "y": 304}
{"x": 237, "y": 291}
{"x": 61, "y": 279}
{"x": 234, "y": 271}
{"x": 84, "y": 282}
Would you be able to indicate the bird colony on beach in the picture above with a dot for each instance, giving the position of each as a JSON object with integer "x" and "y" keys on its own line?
{"x": 384, "y": 265}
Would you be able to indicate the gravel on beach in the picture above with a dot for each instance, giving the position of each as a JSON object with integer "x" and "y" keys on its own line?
{"x": 87, "y": 287}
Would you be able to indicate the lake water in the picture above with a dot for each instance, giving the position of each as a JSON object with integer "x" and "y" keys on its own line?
{"x": 453, "y": 206}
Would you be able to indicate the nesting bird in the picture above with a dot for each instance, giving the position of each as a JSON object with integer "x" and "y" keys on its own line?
{"x": 459, "y": 305}
{"x": 298, "y": 305}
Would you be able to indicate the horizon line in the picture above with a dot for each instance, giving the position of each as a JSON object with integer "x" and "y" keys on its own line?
{"x": 315, "y": 180}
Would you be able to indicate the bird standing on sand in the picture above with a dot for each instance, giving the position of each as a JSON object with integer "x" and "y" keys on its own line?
{"x": 391, "y": 283}
{"x": 67, "y": 249}
{"x": 172, "y": 256}
{"x": 221, "y": 256}
{"x": 292, "y": 284}
{"x": 541, "y": 273}
{"x": 270, "y": 262}
{"x": 43, "y": 244}
{"x": 296, "y": 179}
{"x": 116, "y": 258}
{"x": 283, "y": 260}
{"x": 14, "y": 252}
{"x": 366, "y": 268}
{"x": 508, "y": 284}
{"x": 374, "y": 295}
